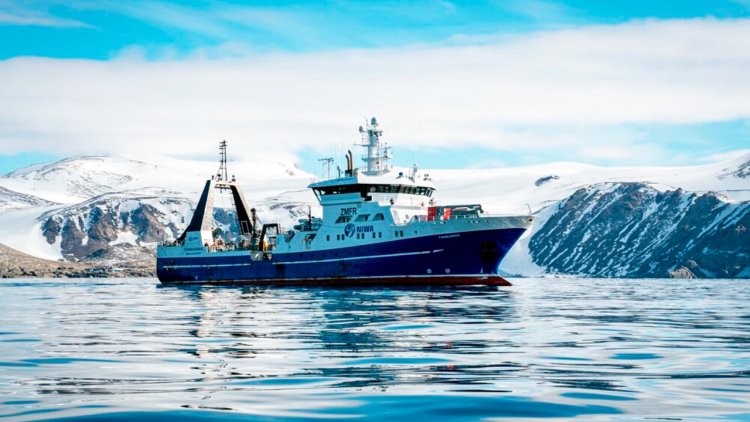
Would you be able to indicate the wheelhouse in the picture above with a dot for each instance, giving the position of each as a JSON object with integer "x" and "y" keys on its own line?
{"x": 364, "y": 190}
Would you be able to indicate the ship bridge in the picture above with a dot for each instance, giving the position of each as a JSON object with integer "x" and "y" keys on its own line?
{"x": 378, "y": 179}
{"x": 406, "y": 192}
{"x": 373, "y": 188}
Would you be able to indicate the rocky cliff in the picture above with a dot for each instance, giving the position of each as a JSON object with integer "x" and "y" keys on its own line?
{"x": 636, "y": 230}
{"x": 15, "y": 264}
{"x": 123, "y": 225}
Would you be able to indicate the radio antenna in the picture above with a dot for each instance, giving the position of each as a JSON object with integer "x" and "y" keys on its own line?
{"x": 222, "y": 173}
{"x": 325, "y": 171}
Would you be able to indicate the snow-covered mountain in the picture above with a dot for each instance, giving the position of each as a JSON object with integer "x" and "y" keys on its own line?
{"x": 11, "y": 200}
{"x": 77, "y": 179}
{"x": 91, "y": 207}
{"x": 591, "y": 220}
{"x": 682, "y": 238}
{"x": 512, "y": 189}
{"x": 114, "y": 222}
{"x": 635, "y": 230}
{"x": 74, "y": 179}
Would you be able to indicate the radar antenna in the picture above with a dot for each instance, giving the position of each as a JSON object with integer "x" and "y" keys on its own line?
{"x": 222, "y": 173}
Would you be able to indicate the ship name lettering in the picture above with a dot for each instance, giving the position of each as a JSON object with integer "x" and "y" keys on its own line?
{"x": 365, "y": 229}
{"x": 349, "y": 211}
{"x": 448, "y": 236}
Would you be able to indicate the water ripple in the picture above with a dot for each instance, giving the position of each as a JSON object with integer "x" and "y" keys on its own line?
{"x": 131, "y": 349}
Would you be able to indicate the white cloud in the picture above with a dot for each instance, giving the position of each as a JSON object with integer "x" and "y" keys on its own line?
{"x": 503, "y": 95}
{"x": 539, "y": 10}
{"x": 39, "y": 20}
{"x": 166, "y": 15}
{"x": 15, "y": 14}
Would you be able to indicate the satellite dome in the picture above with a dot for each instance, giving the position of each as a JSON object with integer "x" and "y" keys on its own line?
{"x": 374, "y": 121}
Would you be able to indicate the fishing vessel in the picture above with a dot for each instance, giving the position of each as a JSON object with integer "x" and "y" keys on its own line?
{"x": 379, "y": 225}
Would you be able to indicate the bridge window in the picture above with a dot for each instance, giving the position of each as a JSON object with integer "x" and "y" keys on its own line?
{"x": 378, "y": 217}
{"x": 343, "y": 219}
{"x": 362, "y": 217}
{"x": 365, "y": 190}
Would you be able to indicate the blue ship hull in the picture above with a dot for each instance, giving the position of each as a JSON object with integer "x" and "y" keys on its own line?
{"x": 459, "y": 258}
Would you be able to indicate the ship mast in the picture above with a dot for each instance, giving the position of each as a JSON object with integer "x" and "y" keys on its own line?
{"x": 377, "y": 153}
{"x": 222, "y": 173}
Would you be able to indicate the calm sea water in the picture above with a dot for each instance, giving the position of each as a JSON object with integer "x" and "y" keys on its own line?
{"x": 602, "y": 349}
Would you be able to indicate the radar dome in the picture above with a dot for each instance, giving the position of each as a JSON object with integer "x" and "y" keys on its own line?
{"x": 374, "y": 121}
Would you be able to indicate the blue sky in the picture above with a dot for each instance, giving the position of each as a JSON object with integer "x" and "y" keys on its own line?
{"x": 101, "y": 29}
{"x": 59, "y": 58}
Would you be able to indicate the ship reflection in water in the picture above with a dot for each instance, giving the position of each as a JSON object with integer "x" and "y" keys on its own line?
{"x": 543, "y": 348}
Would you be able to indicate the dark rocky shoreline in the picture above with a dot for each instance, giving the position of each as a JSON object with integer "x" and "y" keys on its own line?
{"x": 15, "y": 264}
